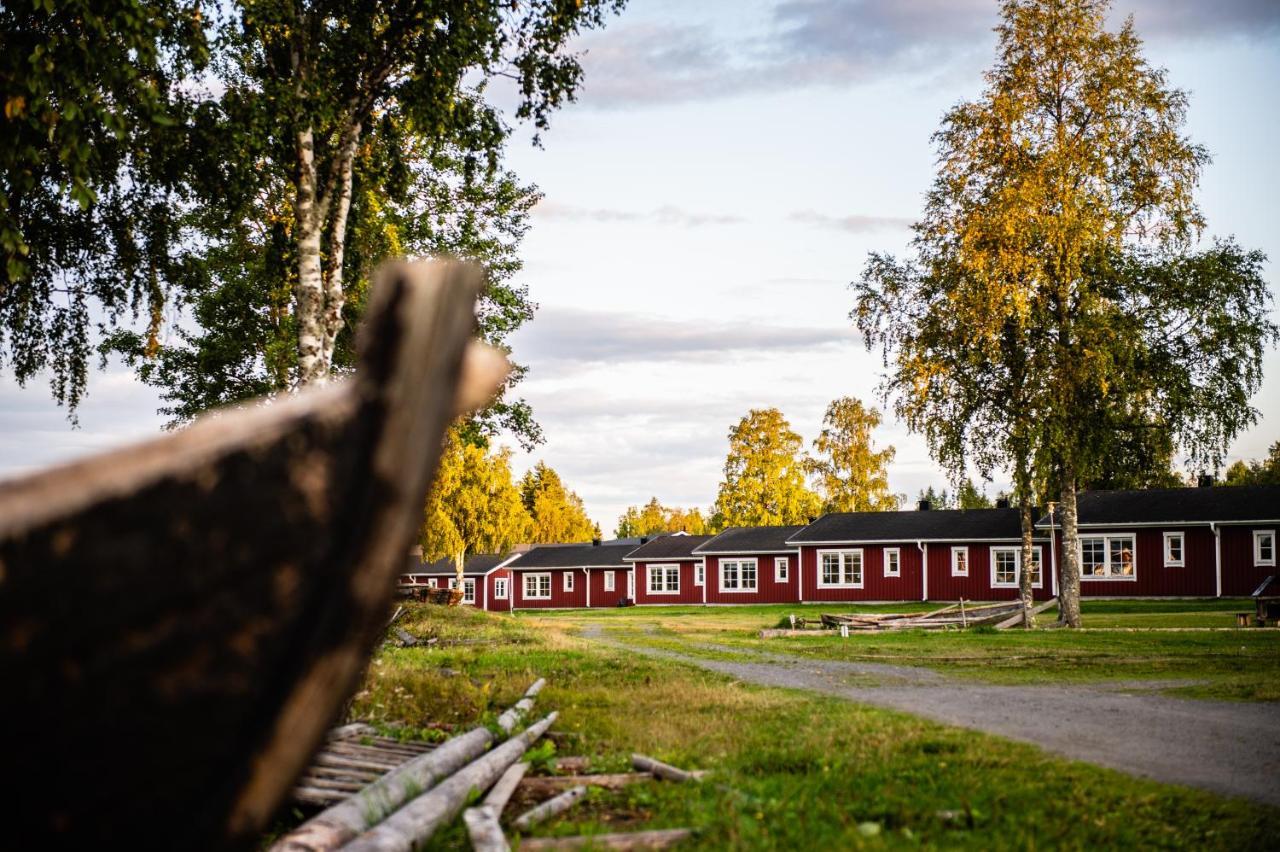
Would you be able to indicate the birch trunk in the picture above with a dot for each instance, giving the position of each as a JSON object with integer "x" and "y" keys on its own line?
{"x": 309, "y": 295}
{"x": 335, "y": 297}
{"x": 1028, "y": 552}
{"x": 1069, "y": 583}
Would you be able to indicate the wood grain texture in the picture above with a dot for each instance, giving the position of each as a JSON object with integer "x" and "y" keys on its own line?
{"x": 189, "y": 614}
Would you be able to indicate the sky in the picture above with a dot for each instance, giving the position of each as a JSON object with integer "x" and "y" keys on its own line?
{"x": 720, "y": 180}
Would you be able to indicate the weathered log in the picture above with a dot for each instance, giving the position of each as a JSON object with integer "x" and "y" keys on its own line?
{"x": 660, "y": 839}
{"x": 662, "y": 770}
{"x": 406, "y": 638}
{"x": 414, "y": 823}
{"x": 508, "y": 720}
{"x": 544, "y": 785}
{"x": 484, "y": 830}
{"x": 230, "y": 578}
{"x": 345, "y": 821}
{"x": 549, "y": 808}
{"x": 505, "y": 786}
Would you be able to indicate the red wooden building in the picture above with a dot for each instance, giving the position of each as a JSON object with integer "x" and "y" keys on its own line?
{"x": 926, "y": 554}
{"x": 561, "y": 576}
{"x": 486, "y": 581}
{"x": 667, "y": 571}
{"x": 1174, "y": 542}
{"x": 751, "y": 565}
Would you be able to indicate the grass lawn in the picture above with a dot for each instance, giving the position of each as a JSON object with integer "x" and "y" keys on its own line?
{"x": 1228, "y": 664}
{"x": 812, "y": 772}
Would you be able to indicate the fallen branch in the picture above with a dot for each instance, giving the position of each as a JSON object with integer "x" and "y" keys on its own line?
{"x": 501, "y": 792}
{"x": 508, "y": 720}
{"x": 663, "y": 770}
{"x": 415, "y": 823}
{"x": 345, "y": 821}
{"x": 634, "y": 840}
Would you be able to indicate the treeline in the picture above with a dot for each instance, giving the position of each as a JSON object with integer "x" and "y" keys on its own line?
{"x": 477, "y": 506}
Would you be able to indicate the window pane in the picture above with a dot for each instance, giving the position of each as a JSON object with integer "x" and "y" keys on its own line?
{"x": 748, "y": 575}
{"x": 831, "y": 568}
{"x": 1093, "y": 556}
{"x": 1006, "y": 567}
{"x": 1121, "y": 551}
{"x": 853, "y": 567}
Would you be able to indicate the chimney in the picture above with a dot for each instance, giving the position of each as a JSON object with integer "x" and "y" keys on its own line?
{"x": 1205, "y": 481}
{"x": 644, "y": 539}
{"x": 595, "y": 542}
{"x": 924, "y": 505}
{"x": 1002, "y": 503}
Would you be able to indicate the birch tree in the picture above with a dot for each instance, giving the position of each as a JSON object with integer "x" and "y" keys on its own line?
{"x": 557, "y": 514}
{"x": 764, "y": 475}
{"x": 654, "y": 518}
{"x": 852, "y": 474}
{"x": 1055, "y": 260}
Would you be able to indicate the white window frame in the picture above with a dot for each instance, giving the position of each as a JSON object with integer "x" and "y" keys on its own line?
{"x": 610, "y": 581}
{"x": 469, "y": 590}
{"x": 568, "y": 581}
{"x": 739, "y": 584}
{"x": 896, "y": 553}
{"x": 843, "y": 569}
{"x": 1258, "y": 536}
{"x": 1181, "y": 561}
{"x": 700, "y": 573}
{"x": 662, "y": 572}
{"x": 537, "y": 594}
{"x": 1110, "y": 576}
{"x": 955, "y": 569}
{"x": 432, "y": 582}
{"x": 499, "y": 588}
{"x": 1016, "y": 550}
{"x": 781, "y": 569}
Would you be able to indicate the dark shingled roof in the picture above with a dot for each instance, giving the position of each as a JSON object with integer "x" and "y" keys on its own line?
{"x": 477, "y": 563}
{"x": 931, "y": 525}
{"x": 751, "y": 540}
{"x": 669, "y": 547}
{"x": 1169, "y": 505}
{"x": 575, "y": 556}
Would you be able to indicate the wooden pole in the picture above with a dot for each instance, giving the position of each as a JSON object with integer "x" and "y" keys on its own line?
{"x": 501, "y": 792}
{"x": 415, "y": 823}
{"x": 549, "y": 808}
{"x": 344, "y": 821}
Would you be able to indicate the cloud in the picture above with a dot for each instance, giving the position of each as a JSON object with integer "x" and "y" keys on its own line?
{"x": 667, "y": 214}
{"x": 854, "y": 224}
{"x": 588, "y": 336}
{"x": 802, "y": 43}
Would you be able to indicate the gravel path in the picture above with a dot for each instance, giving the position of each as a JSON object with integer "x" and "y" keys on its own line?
{"x": 1227, "y": 747}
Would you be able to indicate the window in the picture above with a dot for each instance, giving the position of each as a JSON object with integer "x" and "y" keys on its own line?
{"x": 959, "y": 562}
{"x": 738, "y": 575}
{"x": 500, "y": 589}
{"x": 1107, "y": 557}
{"x": 664, "y": 579}
{"x": 1006, "y": 565}
{"x": 781, "y": 569}
{"x": 1264, "y": 548}
{"x": 1173, "y": 549}
{"x": 840, "y": 568}
{"x": 469, "y": 591}
{"x": 609, "y": 580}
{"x": 433, "y": 582}
{"x": 700, "y": 574}
{"x": 892, "y": 562}
{"x": 568, "y": 581}
{"x": 537, "y": 587}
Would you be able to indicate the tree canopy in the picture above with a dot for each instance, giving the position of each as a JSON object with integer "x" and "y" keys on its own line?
{"x": 852, "y": 475}
{"x": 653, "y": 518}
{"x": 764, "y": 475}
{"x": 556, "y": 513}
{"x": 1257, "y": 472}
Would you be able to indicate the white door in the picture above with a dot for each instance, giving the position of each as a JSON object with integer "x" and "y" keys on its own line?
{"x": 631, "y": 584}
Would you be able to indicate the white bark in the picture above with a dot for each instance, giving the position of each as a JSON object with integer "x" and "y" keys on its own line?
{"x": 549, "y": 808}
{"x": 335, "y": 297}
{"x": 484, "y": 830}
{"x": 1069, "y": 587}
{"x": 663, "y": 770}
{"x": 309, "y": 293}
{"x": 415, "y": 823}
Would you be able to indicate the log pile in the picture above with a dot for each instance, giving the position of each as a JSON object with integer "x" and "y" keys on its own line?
{"x": 953, "y": 616}
{"x": 383, "y": 795}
